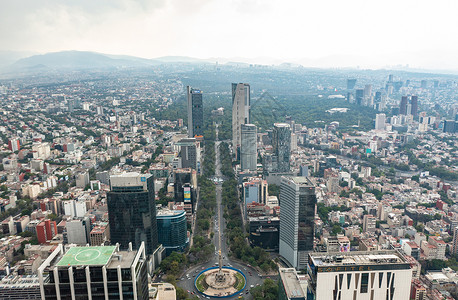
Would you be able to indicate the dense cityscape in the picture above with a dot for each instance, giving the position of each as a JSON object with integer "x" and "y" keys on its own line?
{"x": 173, "y": 182}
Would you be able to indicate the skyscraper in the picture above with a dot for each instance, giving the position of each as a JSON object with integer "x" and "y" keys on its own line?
{"x": 281, "y": 141}
{"x": 240, "y": 111}
{"x": 450, "y": 126}
{"x": 195, "y": 112}
{"x": 367, "y": 93}
{"x": 380, "y": 121}
{"x": 297, "y": 202}
{"x": 414, "y": 102}
{"x": 188, "y": 153}
{"x": 403, "y": 106}
{"x": 132, "y": 210}
{"x": 351, "y": 84}
{"x": 172, "y": 230}
{"x": 359, "y": 96}
{"x": 248, "y": 150}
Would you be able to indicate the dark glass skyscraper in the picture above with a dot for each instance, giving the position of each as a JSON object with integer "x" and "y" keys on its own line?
{"x": 297, "y": 202}
{"x": 132, "y": 210}
{"x": 359, "y": 96}
{"x": 172, "y": 230}
{"x": 195, "y": 112}
{"x": 403, "y": 106}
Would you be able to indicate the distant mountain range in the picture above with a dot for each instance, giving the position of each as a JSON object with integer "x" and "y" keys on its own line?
{"x": 22, "y": 62}
{"x": 79, "y": 60}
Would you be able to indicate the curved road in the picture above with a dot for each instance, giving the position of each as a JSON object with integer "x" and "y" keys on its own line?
{"x": 219, "y": 240}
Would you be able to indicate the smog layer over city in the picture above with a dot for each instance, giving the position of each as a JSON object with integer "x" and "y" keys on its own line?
{"x": 183, "y": 150}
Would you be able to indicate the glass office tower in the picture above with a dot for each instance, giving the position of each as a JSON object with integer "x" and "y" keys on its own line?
{"x": 132, "y": 210}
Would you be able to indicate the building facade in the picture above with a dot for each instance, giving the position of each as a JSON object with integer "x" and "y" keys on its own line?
{"x": 380, "y": 120}
{"x": 359, "y": 275}
{"x": 297, "y": 202}
{"x": 248, "y": 148}
{"x": 172, "y": 230}
{"x": 195, "y": 112}
{"x": 94, "y": 273}
{"x": 188, "y": 153}
{"x": 240, "y": 111}
{"x": 132, "y": 210}
{"x": 281, "y": 142}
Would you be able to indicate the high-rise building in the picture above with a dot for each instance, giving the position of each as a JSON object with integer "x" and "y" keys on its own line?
{"x": 195, "y": 112}
{"x": 14, "y": 145}
{"x": 369, "y": 223}
{"x": 424, "y": 84}
{"x": 180, "y": 178}
{"x": 359, "y": 275}
{"x": 20, "y": 287}
{"x": 414, "y": 103}
{"x": 132, "y": 210}
{"x": 450, "y": 126}
{"x": 240, "y": 111}
{"x": 380, "y": 120}
{"x": 403, "y": 106}
{"x": 45, "y": 231}
{"x": 78, "y": 231}
{"x": 188, "y": 153}
{"x": 281, "y": 141}
{"x": 291, "y": 286}
{"x": 367, "y": 93}
{"x": 418, "y": 290}
{"x": 248, "y": 149}
{"x": 297, "y": 202}
{"x": 351, "y": 84}
{"x": 255, "y": 190}
{"x": 359, "y": 96}
{"x": 172, "y": 230}
{"x": 102, "y": 272}
{"x": 304, "y": 171}
{"x": 455, "y": 241}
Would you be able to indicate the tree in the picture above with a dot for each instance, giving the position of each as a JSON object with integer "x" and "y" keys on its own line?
{"x": 268, "y": 290}
{"x": 415, "y": 178}
{"x": 274, "y": 190}
{"x": 336, "y": 229}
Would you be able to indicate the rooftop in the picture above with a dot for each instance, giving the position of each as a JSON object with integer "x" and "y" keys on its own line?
{"x": 83, "y": 256}
{"x": 357, "y": 258}
{"x": 291, "y": 283}
{"x": 301, "y": 180}
{"x": 169, "y": 213}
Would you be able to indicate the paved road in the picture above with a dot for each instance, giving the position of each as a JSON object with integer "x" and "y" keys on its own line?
{"x": 219, "y": 240}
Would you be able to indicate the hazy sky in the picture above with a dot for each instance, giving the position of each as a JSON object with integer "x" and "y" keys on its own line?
{"x": 321, "y": 32}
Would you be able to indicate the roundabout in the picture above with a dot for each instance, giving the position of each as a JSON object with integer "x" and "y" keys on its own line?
{"x": 220, "y": 282}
